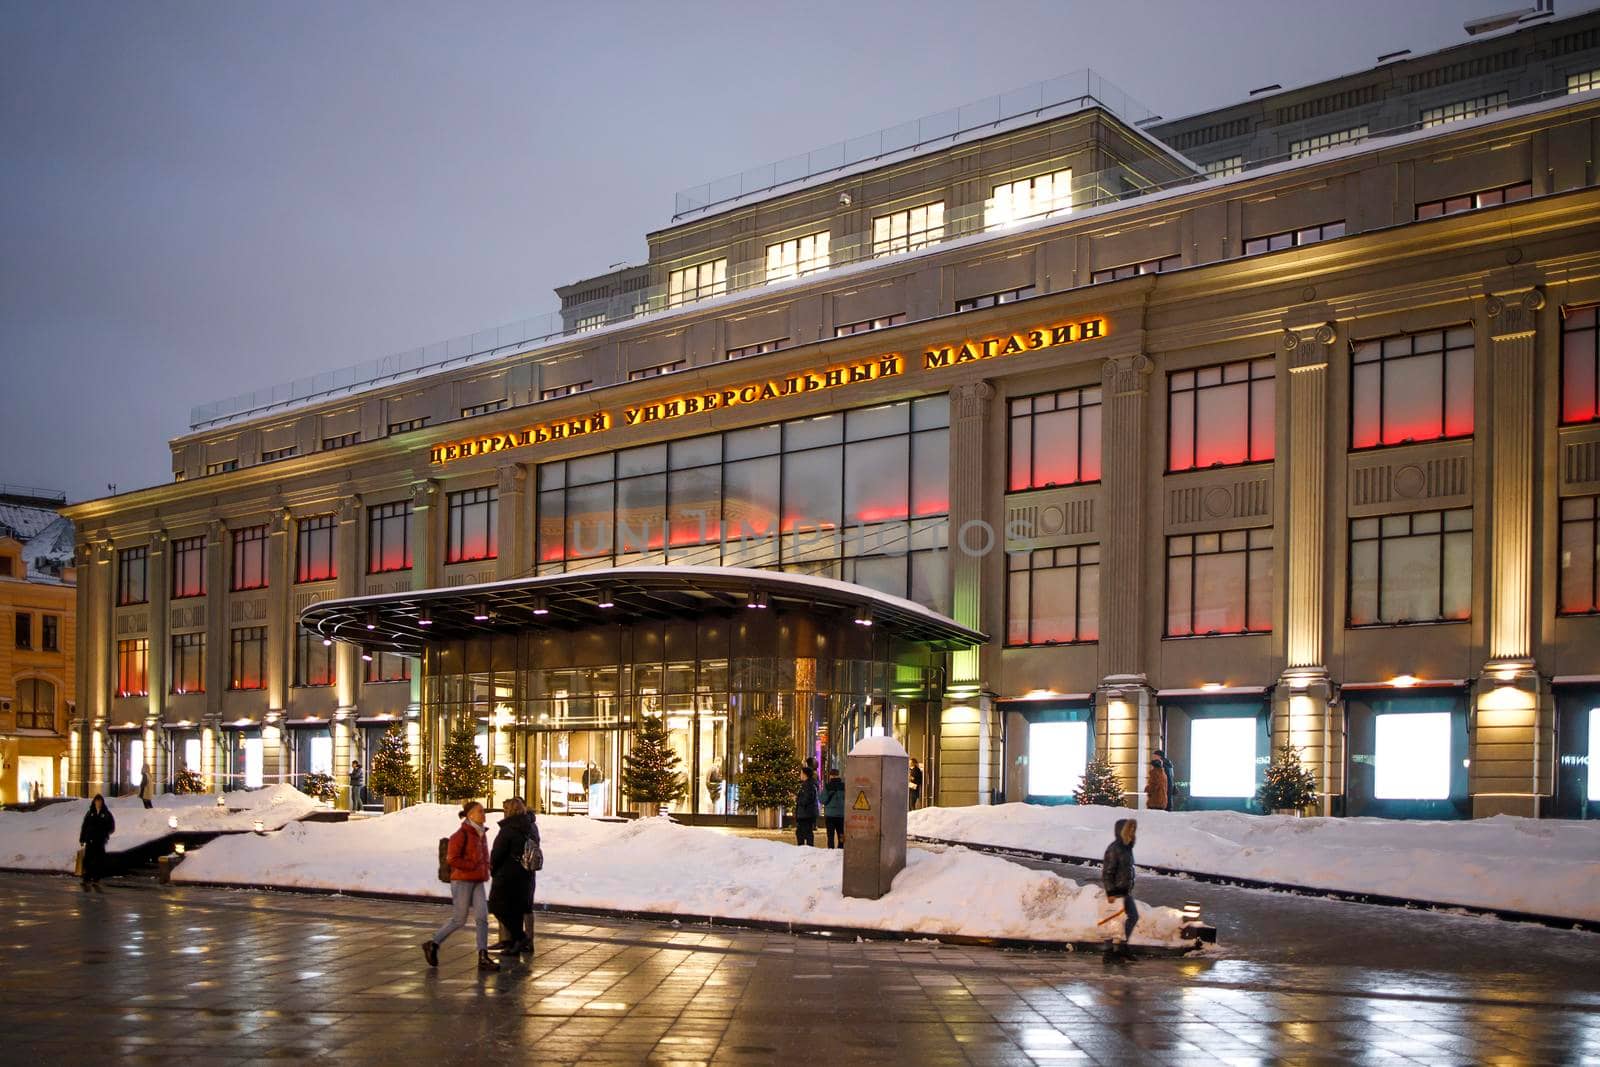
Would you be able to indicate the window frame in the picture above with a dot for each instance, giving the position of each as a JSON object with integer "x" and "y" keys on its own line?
{"x": 488, "y": 407}
{"x": 1351, "y": 540}
{"x": 407, "y": 425}
{"x": 185, "y": 646}
{"x": 34, "y": 717}
{"x": 1011, "y": 217}
{"x": 1134, "y": 270}
{"x": 50, "y": 633}
{"x": 1080, "y": 396}
{"x": 908, "y": 240}
{"x": 1078, "y": 567}
{"x": 1564, "y": 523}
{"x": 1383, "y": 360}
{"x": 380, "y": 519}
{"x": 1500, "y": 196}
{"x": 559, "y": 391}
{"x": 273, "y": 455}
{"x": 23, "y": 632}
{"x": 344, "y": 440}
{"x": 1251, "y": 533}
{"x": 1460, "y": 110}
{"x": 247, "y": 642}
{"x": 307, "y": 642}
{"x": 252, "y": 535}
{"x": 788, "y": 266}
{"x": 882, "y": 322}
{"x": 133, "y": 652}
{"x": 126, "y": 583}
{"x": 680, "y": 292}
{"x": 456, "y": 503}
{"x": 1322, "y": 142}
{"x": 1194, "y": 392}
{"x": 1297, "y": 238}
{"x": 989, "y": 300}
{"x": 180, "y": 550}
{"x": 308, "y": 531}
{"x": 1592, "y": 313}
{"x": 760, "y": 348}
{"x": 377, "y": 670}
{"x": 1583, "y": 81}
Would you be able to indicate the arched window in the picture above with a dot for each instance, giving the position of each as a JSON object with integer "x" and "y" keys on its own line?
{"x": 36, "y": 704}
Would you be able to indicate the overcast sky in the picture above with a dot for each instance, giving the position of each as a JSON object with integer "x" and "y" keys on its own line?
{"x": 199, "y": 199}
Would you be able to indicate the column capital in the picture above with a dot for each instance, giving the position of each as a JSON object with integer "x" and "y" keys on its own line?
{"x": 513, "y": 478}
{"x": 1512, "y": 315}
{"x": 349, "y": 508}
{"x": 1307, "y": 347}
{"x": 424, "y": 493}
{"x": 158, "y": 539}
{"x": 1127, "y": 375}
{"x": 280, "y": 520}
{"x": 970, "y": 398}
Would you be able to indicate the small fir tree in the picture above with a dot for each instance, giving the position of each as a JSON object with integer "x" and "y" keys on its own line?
{"x": 392, "y": 772}
{"x": 771, "y": 774}
{"x": 1100, "y": 785}
{"x": 462, "y": 773}
{"x": 188, "y": 782}
{"x": 318, "y": 786}
{"x": 650, "y": 769}
{"x": 1289, "y": 784}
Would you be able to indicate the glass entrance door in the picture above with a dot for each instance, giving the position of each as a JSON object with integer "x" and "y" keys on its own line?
{"x": 576, "y": 772}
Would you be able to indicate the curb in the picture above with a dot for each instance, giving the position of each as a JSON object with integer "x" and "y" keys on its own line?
{"x": 1415, "y": 903}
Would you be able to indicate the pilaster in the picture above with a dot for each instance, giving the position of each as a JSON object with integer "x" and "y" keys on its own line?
{"x": 512, "y": 533}
{"x": 1127, "y": 730}
{"x": 103, "y": 666}
{"x": 347, "y": 551}
{"x": 159, "y": 588}
{"x": 1124, "y": 431}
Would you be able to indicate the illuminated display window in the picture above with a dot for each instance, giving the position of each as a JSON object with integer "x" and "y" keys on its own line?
{"x": 1580, "y": 556}
{"x": 1053, "y": 596}
{"x": 1058, "y": 753}
{"x": 793, "y": 258}
{"x": 408, "y": 425}
{"x": 1308, "y": 235}
{"x": 564, "y": 390}
{"x": 1221, "y": 416}
{"x": 1029, "y": 198}
{"x": 1411, "y": 388}
{"x": 314, "y": 558}
{"x": 1055, "y": 439}
{"x": 698, "y": 282}
{"x": 1506, "y": 194}
{"x": 188, "y": 567}
{"x": 1465, "y": 109}
{"x": 1310, "y": 146}
{"x": 1133, "y": 270}
{"x": 907, "y": 231}
{"x": 1580, "y": 366}
{"x": 188, "y": 668}
{"x": 883, "y": 322}
{"x": 133, "y": 667}
{"x": 1411, "y": 568}
{"x": 1225, "y": 168}
{"x": 485, "y": 409}
{"x": 1219, "y": 583}
{"x": 990, "y": 300}
{"x": 1222, "y": 757}
{"x": 758, "y": 349}
{"x": 132, "y": 570}
{"x": 1583, "y": 81}
{"x": 474, "y": 520}
{"x": 249, "y": 558}
{"x": 1411, "y": 756}
{"x": 247, "y": 658}
{"x": 313, "y": 661}
{"x": 389, "y": 537}
{"x": 387, "y": 667}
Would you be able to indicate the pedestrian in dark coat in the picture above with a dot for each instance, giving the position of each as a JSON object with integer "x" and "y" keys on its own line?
{"x": 98, "y": 826}
{"x": 1116, "y": 873}
{"x": 1155, "y": 787}
{"x": 833, "y": 808}
{"x": 915, "y": 783}
{"x": 805, "y": 809}
{"x": 356, "y": 779}
{"x": 1166, "y": 765}
{"x": 511, "y": 895}
{"x": 147, "y": 789}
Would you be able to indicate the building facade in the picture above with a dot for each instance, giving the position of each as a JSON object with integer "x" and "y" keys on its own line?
{"x": 1305, "y": 454}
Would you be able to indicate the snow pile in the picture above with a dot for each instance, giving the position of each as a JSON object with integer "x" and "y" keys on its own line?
{"x": 47, "y": 839}
{"x": 1540, "y": 866}
{"x": 653, "y": 865}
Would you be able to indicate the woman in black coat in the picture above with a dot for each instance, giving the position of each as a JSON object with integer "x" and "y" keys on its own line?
{"x": 98, "y": 826}
{"x": 511, "y": 893}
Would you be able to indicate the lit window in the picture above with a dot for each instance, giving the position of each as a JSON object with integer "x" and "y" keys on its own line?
{"x": 1219, "y": 583}
{"x": 757, "y": 349}
{"x": 1580, "y": 557}
{"x": 697, "y": 283}
{"x": 250, "y": 558}
{"x": 1583, "y": 82}
{"x": 1029, "y": 198}
{"x": 313, "y": 661}
{"x": 1464, "y": 109}
{"x": 248, "y": 658}
{"x": 188, "y": 567}
{"x": 556, "y": 392}
{"x": 1055, "y": 439}
{"x": 590, "y": 322}
{"x": 1219, "y": 416}
{"x": 1058, "y": 754}
{"x": 344, "y": 440}
{"x": 132, "y": 568}
{"x": 1225, "y": 168}
{"x": 907, "y": 231}
{"x": 408, "y": 425}
{"x": 473, "y": 525}
{"x": 314, "y": 559}
{"x": 188, "y": 668}
{"x": 1222, "y": 757}
{"x": 1580, "y": 366}
{"x": 802, "y": 255}
{"x": 133, "y": 667}
{"x": 1133, "y": 270}
{"x": 222, "y": 468}
{"x": 1411, "y": 568}
{"x": 1310, "y": 146}
{"x": 272, "y": 455}
{"x": 36, "y": 704}
{"x": 1053, "y": 596}
{"x": 1411, "y": 756}
{"x": 655, "y": 372}
{"x": 484, "y": 409}
{"x": 989, "y": 300}
{"x": 387, "y": 667}
{"x": 1506, "y": 194}
{"x": 389, "y": 537}
{"x": 1309, "y": 235}
{"x": 868, "y": 325}
{"x": 1414, "y": 387}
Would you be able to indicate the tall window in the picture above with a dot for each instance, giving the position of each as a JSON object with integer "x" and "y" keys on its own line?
{"x": 389, "y": 537}
{"x": 313, "y": 660}
{"x": 1219, "y": 583}
{"x": 1580, "y": 366}
{"x": 1464, "y": 109}
{"x": 1310, "y": 146}
{"x": 989, "y": 300}
{"x": 1411, "y": 568}
{"x": 1029, "y": 198}
{"x": 188, "y": 567}
{"x": 1308, "y": 235}
{"x": 1580, "y": 557}
{"x": 907, "y": 231}
{"x": 1414, "y": 387}
{"x": 133, "y": 667}
{"x": 250, "y": 558}
{"x": 36, "y": 705}
{"x": 1133, "y": 270}
{"x": 132, "y": 564}
{"x": 314, "y": 559}
{"x": 248, "y": 658}
{"x": 697, "y": 282}
{"x": 474, "y": 518}
{"x": 24, "y": 630}
{"x": 869, "y": 325}
{"x": 1053, "y": 596}
{"x": 1506, "y": 194}
{"x": 388, "y": 667}
{"x": 52, "y": 633}
{"x": 188, "y": 663}
{"x": 1217, "y": 416}
{"x": 1055, "y": 439}
{"x": 802, "y": 255}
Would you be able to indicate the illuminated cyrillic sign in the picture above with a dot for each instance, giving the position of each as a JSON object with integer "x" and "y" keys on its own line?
{"x": 1012, "y": 343}
{"x": 810, "y": 381}
{"x": 487, "y": 443}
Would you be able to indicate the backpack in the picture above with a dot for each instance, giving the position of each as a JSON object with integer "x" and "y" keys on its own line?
{"x": 444, "y": 860}
{"x": 532, "y": 856}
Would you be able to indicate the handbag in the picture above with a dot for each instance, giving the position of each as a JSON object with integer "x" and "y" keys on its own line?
{"x": 77, "y": 863}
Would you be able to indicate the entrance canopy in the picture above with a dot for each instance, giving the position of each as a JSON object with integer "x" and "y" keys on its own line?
{"x": 407, "y": 622}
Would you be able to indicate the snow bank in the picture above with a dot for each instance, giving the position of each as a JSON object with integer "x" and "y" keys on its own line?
{"x": 658, "y": 866}
{"x": 1541, "y": 866}
{"x": 47, "y": 839}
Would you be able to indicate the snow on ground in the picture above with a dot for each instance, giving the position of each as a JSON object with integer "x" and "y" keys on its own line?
{"x": 658, "y": 866}
{"x": 1542, "y": 866}
{"x": 47, "y": 839}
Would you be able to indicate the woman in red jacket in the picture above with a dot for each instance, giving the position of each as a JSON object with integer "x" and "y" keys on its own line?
{"x": 468, "y": 856}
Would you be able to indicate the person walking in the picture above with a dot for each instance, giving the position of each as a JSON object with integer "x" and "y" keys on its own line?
{"x": 1116, "y": 876}
{"x": 805, "y": 808}
{"x": 357, "y": 780}
{"x": 98, "y": 826}
{"x": 915, "y": 784}
{"x": 468, "y": 858}
{"x": 1156, "y": 795}
{"x": 1166, "y": 765}
{"x": 833, "y": 808}
{"x": 510, "y": 864}
{"x": 147, "y": 788}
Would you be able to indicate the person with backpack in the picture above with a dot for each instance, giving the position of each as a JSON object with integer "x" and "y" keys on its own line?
{"x": 833, "y": 808}
{"x": 1116, "y": 876}
{"x": 512, "y": 862}
{"x": 98, "y": 826}
{"x": 805, "y": 808}
{"x": 466, "y": 857}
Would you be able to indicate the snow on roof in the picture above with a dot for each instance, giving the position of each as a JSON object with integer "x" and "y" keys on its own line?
{"x": 24, "y": 522}
{"x": 48, "y": 540}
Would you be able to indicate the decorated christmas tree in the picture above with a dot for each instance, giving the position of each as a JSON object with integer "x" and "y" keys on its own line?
{"x": 319, "y": 786}
{"x": 1100, "y": 785}
{"x": 462, "y": 773}
{"x": 188, "y": 782}
{"x": 392, "y": 773}
{"x": 771, "y": 774}
{"x": 650, "y": 769}
{"x": 1289, "y": 784}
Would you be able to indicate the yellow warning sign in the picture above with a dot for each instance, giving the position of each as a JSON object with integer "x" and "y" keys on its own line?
{"x": 861, "y": 801}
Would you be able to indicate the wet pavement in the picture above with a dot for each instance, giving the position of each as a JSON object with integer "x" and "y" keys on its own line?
{"x": 172, "y": 975}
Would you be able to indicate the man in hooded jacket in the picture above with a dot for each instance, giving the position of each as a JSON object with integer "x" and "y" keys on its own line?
{"x": 1116, "y": 872}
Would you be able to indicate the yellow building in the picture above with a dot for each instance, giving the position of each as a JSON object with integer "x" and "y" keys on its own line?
{"x": 37, "y": 641}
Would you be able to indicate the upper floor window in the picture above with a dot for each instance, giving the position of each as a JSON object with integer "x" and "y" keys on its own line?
{"x": 1506, "y": 194}
{"x": 485, "y": 409}
{"x": 1411, "y": 568}
{"x": 389, "y": 537}
{"x": 1464, "y": 109}
{"x": 801, "y": 255}
{"x": 133, "y": 667}
{"x": 408, "y": 425}
{"x": 1029, "y": 198}
{"x": 51, "y": 633}
{"x": 286, "y": 452}
{"x": 6, "y": 566}
{"x": 132, "y": 567}
{"x": 344, "y": 440}
{"x": 909, "y": 230}
{"x": 1414, "y": 387}
{"x": 1580, "y": 366}
{"x": 1219, "y": 583}
{"x": 250, "y": 558}
{"x": 868, "y": 325}
{"x": 314, "y": 559}
{"x": 188, "y": 668}
{"x": 1055, "y": 439}
{"x": 760, "y": 348}
{"x": 1133, "y": 270}
{"x": 697, "y": 283}
{"x": 564, "y": 390}
{"x": 1053, "y": 596}
{"x": 387, "y": 667}
{"x": 188, "y": 567}
{"x": 1310, "y": 146}
{"x": 1310, "y": 235}
{"x": 1580, "y": 556}
{"x": 474, "y": 518}
{"x": 36, "y": 704}
{"x": 655, "y": 372}
{"x": 24, "y": 633}
{"x": 1583, "y": 81}
{"x": 248, "y": 660}
{"x": 222, "y": 468}
{"x": 1224, "y": 168}
{"x": 589, "y": 322}
{"x": 989, "y": 300}
{"x": 1217, "y": 416}
{"x": 313, "y": 660}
